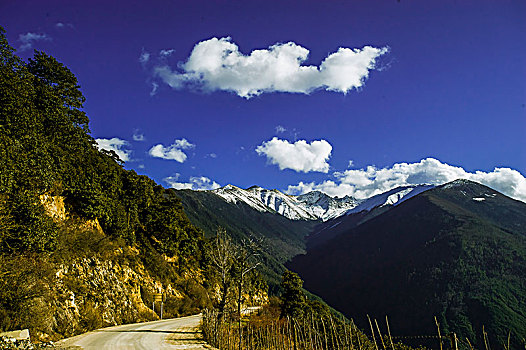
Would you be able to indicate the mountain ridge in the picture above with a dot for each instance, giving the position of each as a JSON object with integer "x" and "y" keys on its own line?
{"x": 314, "y": 205}
{"x": 441, "y": 253}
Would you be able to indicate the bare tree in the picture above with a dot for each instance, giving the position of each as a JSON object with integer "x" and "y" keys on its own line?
{"x": 233, "y": 263}
{"x": 223, "y": 257}
{"x": 246, "y": 261}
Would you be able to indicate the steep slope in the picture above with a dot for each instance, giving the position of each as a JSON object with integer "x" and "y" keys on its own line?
{"x": 457, "y": 252}
{"x": 83, "y": 242}
{"x": 390, "y": 198}
{"x": 283, "y": 238}
{"x": 362, "y": 211}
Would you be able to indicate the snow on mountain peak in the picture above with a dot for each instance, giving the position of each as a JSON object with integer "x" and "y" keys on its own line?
{"x": 391, "y": 197}
{"x": 311, "y": 206}
{"x": 325, "y": 206}
{"x": 314, "y": 205}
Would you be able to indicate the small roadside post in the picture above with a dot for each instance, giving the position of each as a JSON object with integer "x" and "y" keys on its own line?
{"x": 158, "y": 297}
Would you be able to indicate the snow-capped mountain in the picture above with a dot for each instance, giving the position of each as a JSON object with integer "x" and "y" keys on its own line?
{"x": 392, "y": 197}
{"x": 325, "y": 206}
{"x": 311, "y": 206}
{"x": 314, "y": 205}
{"x": 364, "y": 211}
{"x": 283, "y": 204}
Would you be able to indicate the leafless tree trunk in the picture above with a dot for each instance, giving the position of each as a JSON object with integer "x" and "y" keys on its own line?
{"x": 233, "y": 263}
{"x": 223, "y": 257}
{"x": 245, "y": 260}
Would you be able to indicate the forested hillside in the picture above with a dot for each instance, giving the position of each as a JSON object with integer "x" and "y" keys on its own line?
{"x": 83, "y": 242}
{"x": 457, "y": 252}
{"x": 280, "y": 238}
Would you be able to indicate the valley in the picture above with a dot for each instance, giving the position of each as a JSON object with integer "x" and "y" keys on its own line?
{"x": 455, "y": 251}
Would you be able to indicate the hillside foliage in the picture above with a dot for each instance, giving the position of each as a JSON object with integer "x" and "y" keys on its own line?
{"x": 46, "y": 151}
{"x": 46, "y": 148}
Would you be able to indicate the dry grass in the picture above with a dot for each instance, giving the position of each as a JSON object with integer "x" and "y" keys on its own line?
{"x": 266, "y": 331}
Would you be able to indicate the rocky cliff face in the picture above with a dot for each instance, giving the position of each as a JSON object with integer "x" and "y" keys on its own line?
{"x": 92, "y": 281}
{"x": 93, "y": 293}
{"x": 90, "y": 292}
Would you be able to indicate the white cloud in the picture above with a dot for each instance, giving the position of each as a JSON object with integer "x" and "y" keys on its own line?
{"x": 172, "y": 152}
{"x": 217, "y": 64}
{"x": 28, "y": 39}
{"x": 166, "y": 53}
{"x": 144, "y": 57}
{"x": 364, "y": 183}
{"x": 115, "y": 144}
{"x": 197, "y": 183}
{"x": 298, "y": 156}
{"x": 138, "y": 136}
{"x": 280, "y": 129}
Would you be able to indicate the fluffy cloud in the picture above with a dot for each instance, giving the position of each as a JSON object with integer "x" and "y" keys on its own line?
{"x": 172, "y": 152}
{"x": 298, "y": 156}
{"x": 28, "y": 39}
{"x": 364, "y": 183}
{"x": 217, "y": 64}
{"x": 195, "y": 183}
{"x": 116, "y": 145}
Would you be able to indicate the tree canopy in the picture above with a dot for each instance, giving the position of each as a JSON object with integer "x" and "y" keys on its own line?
{"x": 293, "y": 300}
{"x": 46, "y": 149}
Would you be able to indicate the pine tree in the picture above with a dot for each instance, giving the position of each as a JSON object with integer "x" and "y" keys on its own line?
{"x": 293, "y": 300}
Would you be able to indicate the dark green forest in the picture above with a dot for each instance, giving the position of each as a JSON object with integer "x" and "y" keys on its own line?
{"x": 46, "y": 148}
{"x": 46, "y": 151}
{"x": 441, "y": 254}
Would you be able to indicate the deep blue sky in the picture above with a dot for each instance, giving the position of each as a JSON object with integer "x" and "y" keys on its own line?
{"x": 452, "y": 87}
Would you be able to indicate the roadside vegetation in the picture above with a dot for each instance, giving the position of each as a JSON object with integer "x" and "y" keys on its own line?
{"x": 289, "y": 322}
{"x": 84, "y": 243}
{"x": 293, "y": 322}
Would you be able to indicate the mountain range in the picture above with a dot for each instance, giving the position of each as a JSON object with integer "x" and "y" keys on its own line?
{"x": 313, "y": 205}
{"x": 282, "y": 221}
{"x": 282, "y": 238}
{"x": 457, "y": 252}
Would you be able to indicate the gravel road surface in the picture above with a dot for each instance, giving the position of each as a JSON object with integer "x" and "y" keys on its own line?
{"x": 177, "y": 333}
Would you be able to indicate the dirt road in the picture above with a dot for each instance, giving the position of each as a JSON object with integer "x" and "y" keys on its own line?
{"x": 177, "y": 333}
